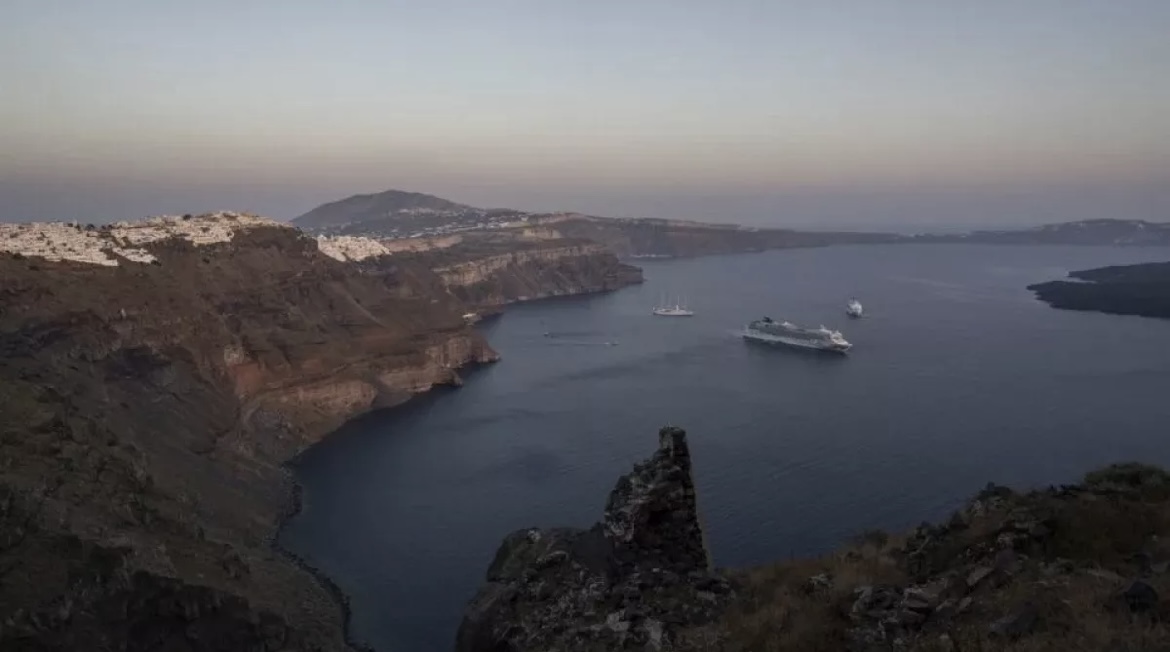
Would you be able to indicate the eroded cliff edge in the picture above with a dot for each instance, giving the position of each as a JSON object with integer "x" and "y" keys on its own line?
{"x": 1076, "y": 567}
{"x": 148, "y": 407}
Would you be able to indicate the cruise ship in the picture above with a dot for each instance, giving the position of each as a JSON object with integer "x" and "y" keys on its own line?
{"x": 773, "y": 332}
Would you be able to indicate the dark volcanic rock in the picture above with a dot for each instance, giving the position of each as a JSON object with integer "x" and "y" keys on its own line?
{"x": 1139, "y": 597}
{"x": 1018, "y": 623}
{"x": 629, "y": 582}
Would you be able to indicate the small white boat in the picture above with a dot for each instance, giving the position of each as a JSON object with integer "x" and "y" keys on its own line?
{"x": 677, "y": 310}
{"x": 853, "y": 308}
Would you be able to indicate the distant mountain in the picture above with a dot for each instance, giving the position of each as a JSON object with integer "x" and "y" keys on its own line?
{"x": 389, "y": 205}
{"x": 1085, "y": 232}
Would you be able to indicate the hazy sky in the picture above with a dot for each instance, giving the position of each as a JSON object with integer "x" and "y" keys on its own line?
{"x": 841, "y": 112}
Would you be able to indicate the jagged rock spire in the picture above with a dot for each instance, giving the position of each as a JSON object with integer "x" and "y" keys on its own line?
{"x": 628, "y": 582}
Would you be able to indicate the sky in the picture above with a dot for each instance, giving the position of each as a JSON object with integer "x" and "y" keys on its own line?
{"x": 836, "y": 113}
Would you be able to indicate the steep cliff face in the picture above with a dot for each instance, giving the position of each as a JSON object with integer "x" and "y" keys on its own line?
{"x": 493, "y": 271}
{"x": 631, "y": 582}
{"x": 147, "y": 410}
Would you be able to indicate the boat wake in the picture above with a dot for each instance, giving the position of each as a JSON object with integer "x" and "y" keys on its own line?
{"x": 559, "y": 338}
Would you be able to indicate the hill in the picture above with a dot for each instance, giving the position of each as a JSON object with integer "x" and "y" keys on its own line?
{"x": 391, "y": 205}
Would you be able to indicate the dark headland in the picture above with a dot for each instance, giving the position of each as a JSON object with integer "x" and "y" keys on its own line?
{"x": 1121, "y": 290}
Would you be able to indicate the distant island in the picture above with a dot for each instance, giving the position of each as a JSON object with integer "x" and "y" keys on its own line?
{"x": 1084, "y": 232}
{"x": 1121, "y": 290}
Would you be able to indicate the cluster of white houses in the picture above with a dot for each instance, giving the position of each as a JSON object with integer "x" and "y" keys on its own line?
{"x": 109, "y": 244}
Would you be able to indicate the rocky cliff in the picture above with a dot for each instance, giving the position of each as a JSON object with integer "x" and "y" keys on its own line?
{"x": 148, "y": 407}
{"x": 1078, "y": 567}
{"x": 493, "y": 272}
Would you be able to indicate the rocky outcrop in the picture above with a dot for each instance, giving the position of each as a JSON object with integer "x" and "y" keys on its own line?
{"x": 631, "y": 581}
{"x": 148, "y": 408}
{"x": 1082, "y": 566}
{"x": 1120, "y": 290}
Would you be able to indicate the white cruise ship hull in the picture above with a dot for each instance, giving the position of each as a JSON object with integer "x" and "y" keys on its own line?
{"x": 801, "y": 343}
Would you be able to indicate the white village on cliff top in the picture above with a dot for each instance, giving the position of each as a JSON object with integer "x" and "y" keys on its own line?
{"x": 110, "y": 243}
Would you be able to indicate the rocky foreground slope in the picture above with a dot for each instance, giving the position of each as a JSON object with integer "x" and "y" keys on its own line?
{"x": 148, "y": 405}
{"x": 1081, "y": 567}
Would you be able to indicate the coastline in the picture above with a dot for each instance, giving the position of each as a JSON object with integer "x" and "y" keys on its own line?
{"x": 294, "y": 502}
{"x": 293, "y": 507}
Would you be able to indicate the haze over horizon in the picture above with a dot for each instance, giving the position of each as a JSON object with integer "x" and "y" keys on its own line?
{"x": 851, "y": 113}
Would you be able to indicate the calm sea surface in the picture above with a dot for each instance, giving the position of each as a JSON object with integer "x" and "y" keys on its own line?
{"x": 958, "y": 377}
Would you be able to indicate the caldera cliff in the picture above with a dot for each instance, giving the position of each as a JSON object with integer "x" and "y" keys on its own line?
{"x": 497, "y": 272}
{"x": 1077, "y": 567}
{"x": 154, "y": 377}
